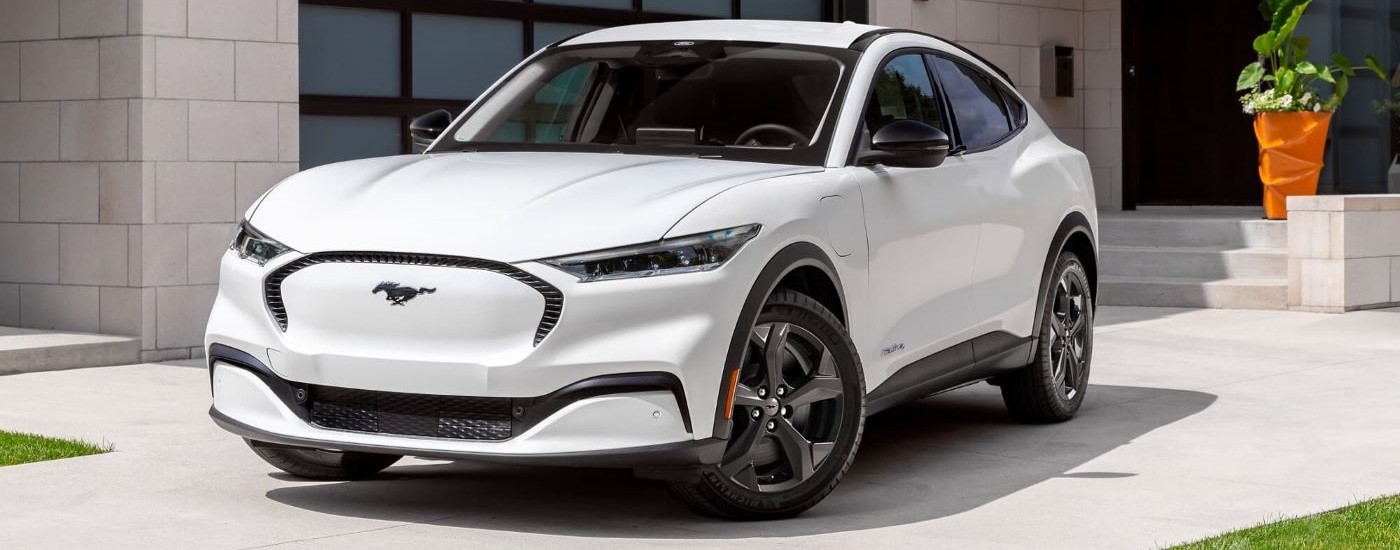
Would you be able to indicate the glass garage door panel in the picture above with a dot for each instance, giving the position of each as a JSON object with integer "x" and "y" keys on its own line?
{"x": 706, "y": 8}
{"x": 327, "y": 139}
{"x": 797, "y": 10}
{"x": 549, "y": 33}
{"x": 349, "y": 52}
{"x": 610, "y": 4}
{"x": 458, "y": 57}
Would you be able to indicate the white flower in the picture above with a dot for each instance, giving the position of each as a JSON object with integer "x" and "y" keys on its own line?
{"x": 1317, "y": 107}
{"x": 1287, "y": 100}
{"x": 1248, "y": 109}
{"x": 1306, "y": 98}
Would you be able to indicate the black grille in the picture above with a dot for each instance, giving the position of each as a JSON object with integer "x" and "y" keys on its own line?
{"x": 553, "y": 299}
{"x": 449, "y": 417}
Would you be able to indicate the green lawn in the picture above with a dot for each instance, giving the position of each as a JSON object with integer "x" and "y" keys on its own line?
{"x": 1371, "y": 524}
{"x": 19, "y": 448}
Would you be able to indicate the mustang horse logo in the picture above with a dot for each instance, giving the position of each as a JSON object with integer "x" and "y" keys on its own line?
{"x": 399, "y": 295}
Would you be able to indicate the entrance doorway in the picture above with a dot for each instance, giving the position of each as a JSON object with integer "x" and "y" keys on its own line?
{"x": 1185, "y": 139}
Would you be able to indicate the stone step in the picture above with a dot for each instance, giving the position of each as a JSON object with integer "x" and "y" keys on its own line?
{"x": 26, "y": 350}
{"x": 1202, "y": 293}
{"x": 1193, "y": 262}
{"x": 1198, "y": 232}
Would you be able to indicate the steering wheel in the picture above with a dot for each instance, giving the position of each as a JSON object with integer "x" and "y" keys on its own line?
{"x": 749, "y": 137}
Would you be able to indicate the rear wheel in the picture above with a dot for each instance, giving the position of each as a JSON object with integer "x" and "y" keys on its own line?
{"x": 797, "y": 417}
{"x": 322, "y": 465}
{"x": 1052, "y": 388}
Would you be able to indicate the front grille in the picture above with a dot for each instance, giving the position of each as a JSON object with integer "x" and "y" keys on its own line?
{"x": 448, "y": 417}
{"x": 277, "y": 307}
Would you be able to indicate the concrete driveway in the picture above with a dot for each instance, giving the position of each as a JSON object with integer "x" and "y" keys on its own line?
{"x": 1198, "y": 422}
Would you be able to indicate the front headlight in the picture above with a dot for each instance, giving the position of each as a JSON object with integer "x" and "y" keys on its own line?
{"x": 256, "y": 247}
{"x": 687, "y": 254}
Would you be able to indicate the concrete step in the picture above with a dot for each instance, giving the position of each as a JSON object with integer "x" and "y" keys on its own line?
{"x": 26, "y": 350}
{"x": 1200, "y": 293}
{"x": 1186, "y": 231}
{"x": 1193, "y": 262}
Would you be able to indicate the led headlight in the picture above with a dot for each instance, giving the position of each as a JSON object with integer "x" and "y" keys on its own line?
{"x": 687, "y": 254}
{"x": 255, "y": 247}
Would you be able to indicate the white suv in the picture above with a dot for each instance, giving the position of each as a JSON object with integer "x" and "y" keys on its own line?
{"x": 705, "y": 251}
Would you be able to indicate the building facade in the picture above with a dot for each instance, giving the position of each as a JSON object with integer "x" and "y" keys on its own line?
{"x": 134, "y": 133}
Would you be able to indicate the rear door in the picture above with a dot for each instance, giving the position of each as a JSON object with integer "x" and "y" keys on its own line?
{"x": 988, "y": 119}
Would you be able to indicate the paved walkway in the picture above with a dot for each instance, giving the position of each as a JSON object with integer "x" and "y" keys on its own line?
{"x": 1199, "y": 421}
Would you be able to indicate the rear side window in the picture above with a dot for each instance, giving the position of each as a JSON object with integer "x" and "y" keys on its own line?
{"x": 903, "y": 91}
{"x": 1017, "y": 109}
{"x": 977, "y": 104}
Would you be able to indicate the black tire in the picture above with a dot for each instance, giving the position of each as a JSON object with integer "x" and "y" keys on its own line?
{"x": 811, "y": 416}
{"x": 322, "y": 465}
{"x": 1053, "y": 387}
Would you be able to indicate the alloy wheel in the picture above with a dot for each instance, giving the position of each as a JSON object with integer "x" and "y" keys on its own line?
{"x": 1068, "y": 336}
{"x": 788, "y": 409}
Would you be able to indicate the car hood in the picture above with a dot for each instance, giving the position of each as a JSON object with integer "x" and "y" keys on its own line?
{"x": 507, "y": 207}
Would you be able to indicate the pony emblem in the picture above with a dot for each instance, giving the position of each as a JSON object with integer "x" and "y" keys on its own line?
{"x": 399, "y": 295}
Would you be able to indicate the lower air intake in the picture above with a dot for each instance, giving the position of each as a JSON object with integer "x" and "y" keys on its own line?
{"x": 442, "y": 416}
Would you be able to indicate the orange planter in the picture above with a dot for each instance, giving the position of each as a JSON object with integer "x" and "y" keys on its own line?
{"x": 1290, "y": 156}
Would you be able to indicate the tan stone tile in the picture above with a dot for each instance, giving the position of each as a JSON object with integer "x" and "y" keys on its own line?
{"x": 91, "y": 254}
{"x": 58, "y": 69}
{"x": 58, "y": 192}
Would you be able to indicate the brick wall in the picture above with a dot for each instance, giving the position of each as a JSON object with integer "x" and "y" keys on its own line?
{"x": 133, "y": 135}
{"x": 1010, "y": 33}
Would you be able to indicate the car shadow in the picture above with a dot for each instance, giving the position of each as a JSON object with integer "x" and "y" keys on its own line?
{"x": 938, "y": 457}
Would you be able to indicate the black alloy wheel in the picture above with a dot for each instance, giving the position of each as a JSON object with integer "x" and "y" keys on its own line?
{"x": 797, "y": 416}
{"x": 1052, "y": 388}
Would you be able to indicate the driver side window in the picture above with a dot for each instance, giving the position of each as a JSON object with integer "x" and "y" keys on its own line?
{"x": 903, "y": 90}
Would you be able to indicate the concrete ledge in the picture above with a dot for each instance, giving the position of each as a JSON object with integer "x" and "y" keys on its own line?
{"x": 25, "y": 350}
{"x": 1343, "y": 252}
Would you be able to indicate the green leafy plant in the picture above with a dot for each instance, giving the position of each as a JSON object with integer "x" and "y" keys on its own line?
{"x": 1283, "y": 79}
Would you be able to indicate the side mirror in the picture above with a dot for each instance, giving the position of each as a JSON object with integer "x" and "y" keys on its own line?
{"x": 425, "y": 129}
{"x": 907, "y": 143}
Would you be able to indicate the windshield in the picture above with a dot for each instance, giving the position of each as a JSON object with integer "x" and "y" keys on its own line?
{"x": 743, "y": 101}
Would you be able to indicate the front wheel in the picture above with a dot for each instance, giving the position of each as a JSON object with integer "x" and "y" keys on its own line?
{"x": 322, "y": 465}
{"x": 798, "y": 412}
{"x": 1052, "y": 388}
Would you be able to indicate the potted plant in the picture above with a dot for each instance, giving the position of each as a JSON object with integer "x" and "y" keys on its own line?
{"x": 1283, "y": 90}
{"x": 1392, "y": 108}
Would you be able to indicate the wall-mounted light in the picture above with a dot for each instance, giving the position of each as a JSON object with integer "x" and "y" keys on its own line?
{"x": 1056, "y": 71}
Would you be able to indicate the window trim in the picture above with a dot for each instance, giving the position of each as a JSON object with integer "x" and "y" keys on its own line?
{"x": 1002, "y": 94}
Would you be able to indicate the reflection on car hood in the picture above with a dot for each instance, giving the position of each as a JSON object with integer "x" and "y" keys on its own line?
{"x": 501, "y": 206}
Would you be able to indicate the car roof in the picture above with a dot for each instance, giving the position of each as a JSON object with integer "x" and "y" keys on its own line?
{"x": 804, "y": 33}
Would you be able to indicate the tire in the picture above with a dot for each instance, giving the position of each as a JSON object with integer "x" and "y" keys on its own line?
{"x": 817, "y": 409}
{"x": 1052, "y": 388}
{"x": 322, "y": 465}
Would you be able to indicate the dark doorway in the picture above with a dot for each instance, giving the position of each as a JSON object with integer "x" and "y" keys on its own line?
{"x": 1185, "y": 139}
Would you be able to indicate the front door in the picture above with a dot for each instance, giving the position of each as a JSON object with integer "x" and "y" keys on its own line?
{"x": 922, "y": 225}
{"x": 1186, "y": 140}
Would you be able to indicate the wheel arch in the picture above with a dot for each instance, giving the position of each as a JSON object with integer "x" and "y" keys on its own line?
{"x": 1076, "y": 235}
{"x": 800, "y": 266}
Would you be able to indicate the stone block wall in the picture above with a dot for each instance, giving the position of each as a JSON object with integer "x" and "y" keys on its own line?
{"x": 1343, "y": 252}
{"x": 133, "y": 135}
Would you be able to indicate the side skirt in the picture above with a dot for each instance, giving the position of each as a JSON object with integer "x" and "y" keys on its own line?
{"x": 977, "y": 359}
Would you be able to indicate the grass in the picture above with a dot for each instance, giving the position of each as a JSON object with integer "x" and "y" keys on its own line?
{"x": 1371, "y": 524}
{"x": 19, "y": 448}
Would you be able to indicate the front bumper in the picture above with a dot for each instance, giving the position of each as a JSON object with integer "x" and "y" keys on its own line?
{"x": 601, "y": 423}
